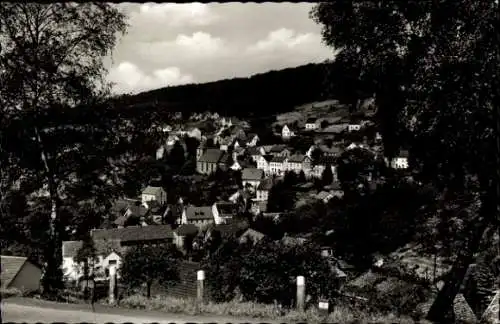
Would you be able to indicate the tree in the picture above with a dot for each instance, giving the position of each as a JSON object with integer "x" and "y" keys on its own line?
{"x": 419, "y": 52}
{"x": 327, "y": 175}
{"x": 290, "y": 179}
{"x": 281, "y": 198}
{"x": 176, "y": 157}
{"x": 51, "y": 61}
{"x": 87, "y": 255}
{"x": 302, "y": 177}
{"x": 149, "y": 264}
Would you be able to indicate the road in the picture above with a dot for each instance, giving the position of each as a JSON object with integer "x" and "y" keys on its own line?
{"x": 19, "y": 310}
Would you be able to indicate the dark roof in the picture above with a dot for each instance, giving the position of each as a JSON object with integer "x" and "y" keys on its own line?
{"x": 226, "y": 208}
{"x": 331, "y": 150}
{"x": 11, "y": 265}
{"x": 296, "y": 158}
{"x": 70, "y": 248}
{"x": 278, "y": 148}
{"x": 138, "y": 211}
{"x": 252, "y": 174}
{"x": 278, "y": 159}
{"x": 211, "y": 155}
{"x": 199, "y": 213}
{"x": 268, "y": 157}
{"x": 335, "y": 186}
{"x": 120, "y": 206}
{"x": 403, "y": 153}
{"x": 134, "y": 233}
{"x": 186, "y": 229}
{"x": 253, "y": 150}
{"x": 324, "y": 160}
{"x": 225, "y": 158}
{"x": 150, "y": 190}
{"x": 266, "y": 184}
{"x": 233, "y": 228}
{"x": 174, "y": 209}
{"x": 311, "y": 120}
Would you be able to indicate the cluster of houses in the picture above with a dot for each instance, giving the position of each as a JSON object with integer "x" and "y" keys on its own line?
{"x": 230, "y": 147}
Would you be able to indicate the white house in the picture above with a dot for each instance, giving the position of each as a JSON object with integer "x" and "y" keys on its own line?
{"x": 160, "y": 152}
{"x": 154, "y": 193}
{"x": 400, "y": 161}
{"x": 252, "y": 140}
{"x": 311, "y": 124}
{"x": 286, "y": 132}
{"x": 263, "y": 190}
{"x": 252, "y": 177}
{"x": 277, "y": 165}
{"x": 263, "y": 164}
{"x": 294, "y": 163}
{"x": 224, "y": 212}
{"x": 353, "y": 127}
{"x": 72, "y": 271}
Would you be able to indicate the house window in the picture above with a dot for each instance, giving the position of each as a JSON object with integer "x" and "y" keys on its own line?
{"x": 112, "y": 262}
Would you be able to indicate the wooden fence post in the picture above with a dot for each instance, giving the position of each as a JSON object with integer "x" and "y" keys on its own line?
{"x": 301, "y": 293}
{"x": 112, "y": 284}
{"x": 200, "y": 277}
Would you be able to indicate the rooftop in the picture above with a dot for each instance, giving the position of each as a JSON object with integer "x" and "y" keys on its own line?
{"x": 252, "y": 174}
{"x": 10, "y": 267}
{"x": 150, "y": 190}
{"x": 211, "y": 155}
{"x": 134, "y": 233}
{"x": 199, "y": 213}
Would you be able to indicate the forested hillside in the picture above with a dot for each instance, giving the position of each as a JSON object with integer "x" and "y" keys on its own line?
{"x": 259, "y": 95}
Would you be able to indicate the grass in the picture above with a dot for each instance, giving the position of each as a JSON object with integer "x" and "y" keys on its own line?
{"x": 15, "y": 292}
{"x": 259, "y": 311}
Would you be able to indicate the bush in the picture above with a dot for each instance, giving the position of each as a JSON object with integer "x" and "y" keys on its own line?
{"x": 341, "y": 314}
{"x": 11, "y": 292}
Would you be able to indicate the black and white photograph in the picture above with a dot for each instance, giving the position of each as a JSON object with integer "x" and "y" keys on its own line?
{"x": 247, "y": 162}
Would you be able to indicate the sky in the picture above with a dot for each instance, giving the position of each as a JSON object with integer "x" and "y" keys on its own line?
{"x": 171, "y": 44}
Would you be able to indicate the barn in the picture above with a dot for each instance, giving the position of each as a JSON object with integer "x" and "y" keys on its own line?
{"x": 18, "y": 272}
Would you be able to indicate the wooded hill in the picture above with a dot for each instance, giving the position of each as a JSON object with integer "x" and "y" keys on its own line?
{"x": 260, "y": 95}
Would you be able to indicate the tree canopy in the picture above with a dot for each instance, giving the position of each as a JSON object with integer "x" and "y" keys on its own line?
{"x": 59, "y": 129}
{"x": 433, "y": 67}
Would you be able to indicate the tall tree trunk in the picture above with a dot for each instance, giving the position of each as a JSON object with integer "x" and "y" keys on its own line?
{"x": 53, "y": 257}
{"x": 148, "y": 289}
{"x": 443, "y": 303}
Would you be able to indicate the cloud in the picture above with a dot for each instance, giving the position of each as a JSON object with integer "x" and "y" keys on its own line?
{"x": 214, "y": 41}
{"x": 183, "y": 47}
{"x": 128, "y": 78}
{"x": 175, "y": 14}
{"x": 284, "y": 39}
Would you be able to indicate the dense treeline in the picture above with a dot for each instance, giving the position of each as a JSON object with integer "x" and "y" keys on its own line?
{"x": 259, "y": 95}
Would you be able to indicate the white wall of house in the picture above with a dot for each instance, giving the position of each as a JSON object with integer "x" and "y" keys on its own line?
{"x": 262, "y": 195}
{"x": 262, "y": 164}
{"x": 399, "y": 163}
{"x": 276, "y": 168}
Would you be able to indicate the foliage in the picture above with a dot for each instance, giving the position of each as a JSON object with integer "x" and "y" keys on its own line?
{"x": 147, "y": 264}
{"x": 53, "y": 106}
{"x": 176, "y": 157}
{"x": 238, "y": 97}
{"x": 341, "y": 313}
{"x": 87, "y": 255}
{"x": 269, "y": 270}
{"x": 413, "y": 55}
{"x": 281, "y": 198}
{"x": 354, "y": 169}
{"x": 327, "y": 175}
